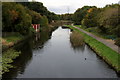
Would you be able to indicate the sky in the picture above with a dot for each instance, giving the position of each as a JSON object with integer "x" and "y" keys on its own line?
{"x": 70, "y": 6}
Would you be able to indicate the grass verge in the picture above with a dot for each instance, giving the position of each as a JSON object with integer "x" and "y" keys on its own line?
{"x": 95, "y": 31}
{"x": 107, "y": 54}
{"x": 11, "y": 40}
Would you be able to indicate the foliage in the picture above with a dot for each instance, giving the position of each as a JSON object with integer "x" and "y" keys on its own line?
{"x": 39, "y": 8}
{"x": 32, "y": 30}
{"x": 15, "y": 18}
{"x": 52, "y": 16}
{"x": 96, "y": 31}
{"x": 36, "y": 17}
{"x": 90, "y": 19}
{"x": 66, "y": 17}
{"x": 117, "y": 42}
{"x": 44, "y": 21}
{"x": 80, "y": 14}
{"x": 7, "y": 58}
{"x": 13, "y": 38}
{"x": 18, "y": 17}
{"x": 108, "y": 20}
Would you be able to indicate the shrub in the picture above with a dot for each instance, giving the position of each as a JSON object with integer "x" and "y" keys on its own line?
{"x": 117, "y": 42}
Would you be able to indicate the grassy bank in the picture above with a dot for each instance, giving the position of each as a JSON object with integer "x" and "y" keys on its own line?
{"x": 10, "y": 40}
{"x": 8, "y": 55}
{"x": 95, "y": 31}
{"x": 106, "y": 53}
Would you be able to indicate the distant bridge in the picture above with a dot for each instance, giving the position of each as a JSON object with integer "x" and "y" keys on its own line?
{"x": 61, "y": 22}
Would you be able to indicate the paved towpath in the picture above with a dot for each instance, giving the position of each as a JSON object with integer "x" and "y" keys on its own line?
{"x": 107, "y": 42}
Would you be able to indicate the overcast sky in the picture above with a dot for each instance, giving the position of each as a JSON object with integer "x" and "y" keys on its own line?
{"x": 65, "y": 6}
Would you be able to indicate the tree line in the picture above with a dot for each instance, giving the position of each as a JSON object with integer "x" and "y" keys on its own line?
{"x": 105, "y": 20}
{"x": 18, "y": 16}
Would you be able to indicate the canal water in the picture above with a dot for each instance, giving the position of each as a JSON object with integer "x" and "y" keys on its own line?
{"x": 51, "y": 55}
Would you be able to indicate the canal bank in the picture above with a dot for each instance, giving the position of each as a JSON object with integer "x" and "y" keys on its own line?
{"x": 9, "y": 42}
{"x": 9, "y": 51}
{"x": 54, "y": 56}
{"x": 9, "y": 54}
{"x": 107, "y": 54}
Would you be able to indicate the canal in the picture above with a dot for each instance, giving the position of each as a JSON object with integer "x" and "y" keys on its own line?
{"x": 51, "y": 55}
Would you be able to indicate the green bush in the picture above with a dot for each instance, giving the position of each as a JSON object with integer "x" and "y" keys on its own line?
{"x": 117, "y": 42}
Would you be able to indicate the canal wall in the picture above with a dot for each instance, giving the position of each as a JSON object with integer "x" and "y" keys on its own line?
{"x": 110, "y": 56}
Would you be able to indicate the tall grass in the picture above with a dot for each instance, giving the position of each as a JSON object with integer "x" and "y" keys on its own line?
{"x": 109, "y": 55}
{"x": 76, "y": 39}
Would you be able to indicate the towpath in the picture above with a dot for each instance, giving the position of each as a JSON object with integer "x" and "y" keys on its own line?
{"x": 107, "y": 42}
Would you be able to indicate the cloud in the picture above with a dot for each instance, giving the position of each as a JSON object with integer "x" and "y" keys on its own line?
{"x": 62, "y": 9}
{"x": 61, "y": 6}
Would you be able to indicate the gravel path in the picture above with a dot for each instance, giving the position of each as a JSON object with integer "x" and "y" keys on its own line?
{"x": 107, "y": 42}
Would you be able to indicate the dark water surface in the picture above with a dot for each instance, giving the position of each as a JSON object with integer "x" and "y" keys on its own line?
{"x": 52, "y": 56}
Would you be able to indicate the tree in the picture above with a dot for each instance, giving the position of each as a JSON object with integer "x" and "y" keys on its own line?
{"x": 44, "y": 21}
{"x": 80, "y": 14}
{"x": 15, "y": 18}
{"x": 41, "y": 9}
{"x": 66, "y": 17}
{"x": 36, "y": 17}
{"x": 90, "y": 20}
{"x": 109, "y": 19}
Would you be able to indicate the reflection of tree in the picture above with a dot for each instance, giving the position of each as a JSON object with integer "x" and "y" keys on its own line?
{"x": 77, "y": 41}
{"x": 78, "y": 48}
{"x": 42, "y": 37}
{"x": 26, "y": 52}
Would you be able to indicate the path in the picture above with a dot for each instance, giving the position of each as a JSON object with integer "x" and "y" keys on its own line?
{"x": 109, "y": 43}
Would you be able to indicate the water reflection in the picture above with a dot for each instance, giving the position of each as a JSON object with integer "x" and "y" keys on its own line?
{"x": 55, "y": 57}
{"x": 21, "y": 62}
{"x": 26, "y": 47}
{"x": 78, "y": 49}
{"x": 77, "y": 41}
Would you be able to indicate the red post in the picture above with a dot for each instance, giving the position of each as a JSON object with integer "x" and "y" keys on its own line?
{"x": 36, "y": 27}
